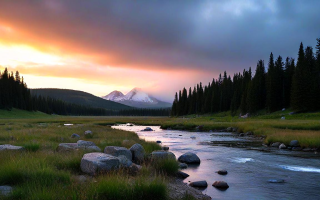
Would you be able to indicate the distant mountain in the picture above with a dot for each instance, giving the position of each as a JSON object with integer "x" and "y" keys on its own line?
{"x": 79, "y": 97}
{"x": 136, "y": 98}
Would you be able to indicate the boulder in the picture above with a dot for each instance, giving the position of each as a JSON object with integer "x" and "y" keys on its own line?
{"x": 74, "y": 135}
{"x": 189, "y": 158}
{"x": 276, "y": 144}
{"x": 283, "y": 118}
{"x": 88, "y": 145}
{"x": 199, "y": 184}
{"x": 165, "y": 148}
{"x": 222, "y": 172}
{"x": 137, "y": 153}
{"x": 118, "y": 151}
{"x": 161, "y": 154}
{"x": 134, "y": 169}
{"x": 5, "y": 190}
{"x": 294, "y": 143}
{"x": 158, "y": 141}
{"x": 124, "y": 161}
{"x": 220, "y": 185}
{"x": 10, "y": 147}
{"x": 282, "y": 146}
{"x": 88, "y": 132}
{"x": 94, "y": 163}
{"x": 63, "y": 147}
{"x": 183, "y": 166}
{"x": 182, "y": 175}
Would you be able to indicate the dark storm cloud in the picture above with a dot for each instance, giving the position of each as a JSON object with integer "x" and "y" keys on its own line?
{"x": 205, "y": 35}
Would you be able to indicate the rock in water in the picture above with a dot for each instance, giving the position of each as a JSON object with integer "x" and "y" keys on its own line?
{"x": 158, "y": 141}
{"x": 282, "y": 146}
{"x": 199, "y": 184}
{"x": 94, "y": 163}
{"x": 182, "y": 175}
{"x": 222, "y": 172}
{"x": 161, "y": 154}
{"x": 137, "y": 153}
{"x": 220, "y": 185}
{"x": 294, "y": 143}
{"x": 166, "y": 148}
{"x": 10, "y": 147}
{"x": 276, "y": 181}
{"x": 183, "y": 166}
{"x": 189, "y": 158}
{"x": 5, "y": 190}
{"x": 117, "y": 151}
{"x": 276, "y": 144}
{"x": 147, "y": 129}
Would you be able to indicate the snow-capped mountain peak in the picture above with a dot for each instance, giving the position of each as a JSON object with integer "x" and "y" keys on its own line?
{"x": 113, "y": 95}
{"x": 136, "y": 94}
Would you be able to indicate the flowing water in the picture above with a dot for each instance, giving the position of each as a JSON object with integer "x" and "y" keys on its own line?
{"x": 249, "y": 171}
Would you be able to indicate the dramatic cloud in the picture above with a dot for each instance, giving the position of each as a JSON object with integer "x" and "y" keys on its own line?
{"x": 158, "y": 42}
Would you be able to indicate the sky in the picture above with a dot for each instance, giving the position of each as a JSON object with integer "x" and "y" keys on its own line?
{"x": 160, "y": 46}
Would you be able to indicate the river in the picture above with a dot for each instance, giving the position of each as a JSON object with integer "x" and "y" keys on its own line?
{"x": 249, "y": 171}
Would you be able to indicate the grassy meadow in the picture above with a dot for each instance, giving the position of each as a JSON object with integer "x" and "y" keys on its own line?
{"x": 42, "y": 173}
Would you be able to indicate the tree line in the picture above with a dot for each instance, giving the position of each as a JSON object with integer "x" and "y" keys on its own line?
{"x": 14, "y": 93}
{"x": 284, "y": 84}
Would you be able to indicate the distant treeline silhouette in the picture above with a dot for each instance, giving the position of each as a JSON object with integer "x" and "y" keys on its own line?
{"x": 14, "y": 93}
{"x": 284, "y": 84}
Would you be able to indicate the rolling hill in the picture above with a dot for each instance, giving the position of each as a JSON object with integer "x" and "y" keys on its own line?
{"x": 79, "y": 97}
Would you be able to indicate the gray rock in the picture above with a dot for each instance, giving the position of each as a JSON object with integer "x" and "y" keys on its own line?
{"x": 161, "y": 154}
{"x": 94, "y": 163}
{"x": 83, "y": 143}
{"x": 137, "y": 153}
{"x": 165, "y": 148}
{"x": 182, "y": 175}
{"x": 220, "y": 185}
{"x": 183, "y": 166}
{"x": 283, "y": 118}
{"x": 74, "y": 135}
{"x": 282, "y": 146}
{"x": 64, "y": 147}
{"x": 117, "y": 151}
{"x": 147, "y": 129}
{"x": 10, "y": 147}
{"x": 189, "y": 158}
{"x": 88, "y": 132}
{"x": 124, "y": 161}
{"x": 294, "y": 143}
{"x": 92, "y": 149}
{"x": 199, "y": 184}
{"x": 222, "y": 172}
{"x": 134, "y": 169}
{"x": 241, "y": 135}
{"x": 276, "y": 144}
{"x": 5, "y": 190}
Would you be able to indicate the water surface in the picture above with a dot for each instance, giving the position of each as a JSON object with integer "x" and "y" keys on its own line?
{"x": 249, "y": 171}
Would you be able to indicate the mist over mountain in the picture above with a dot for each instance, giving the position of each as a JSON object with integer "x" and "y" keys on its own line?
{"x": 136, "y": 98}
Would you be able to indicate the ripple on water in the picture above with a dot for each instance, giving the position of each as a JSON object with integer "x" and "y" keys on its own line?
{"x": 242, "y": 160}
{"x": 300, "y": 168}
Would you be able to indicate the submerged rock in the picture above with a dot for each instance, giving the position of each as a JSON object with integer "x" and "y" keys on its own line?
{"x": 282, "y": 146}
{"x": 94, "y": 163}
{"x": 137, "y": 153}
{"x": 276, "y": 181}
{"x": 189, "y": 158}
{"x": 199, "y": 184}
{"x": 183, "y": 166}
{"x": 147, "y": 129}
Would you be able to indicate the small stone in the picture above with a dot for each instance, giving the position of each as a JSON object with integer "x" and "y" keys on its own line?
{"x": 220, "y": 185}
{"x": 147, "y": 129}
{"x": 296, "y": 149}
{"x": 183, "y": 166}
{"x": 134, "y": 169}
{"x": 294, "y": 143}
{"x": 74, "y": 135}
{"x": 241, "y": 134}
{"x": 88, "y": 132}
{"x": 158, "y": 141}
{"x": 222, "y": 172}
{"x": 276, "y": 144}
{"x": 165, "y": 148}
{"x": 276, "y": 181}
{"x": 282, "y": 146}
{"x": 11, "y": 147}
{"x": 199, "y": 184}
